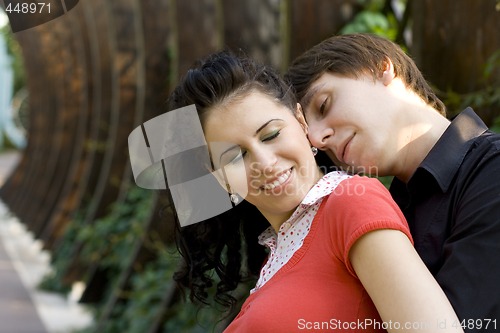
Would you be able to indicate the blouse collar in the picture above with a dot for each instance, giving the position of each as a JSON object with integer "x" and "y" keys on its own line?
{"x": 324, "y": 187}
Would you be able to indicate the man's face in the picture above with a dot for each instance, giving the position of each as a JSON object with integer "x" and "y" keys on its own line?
{"x": 348, "y": 119}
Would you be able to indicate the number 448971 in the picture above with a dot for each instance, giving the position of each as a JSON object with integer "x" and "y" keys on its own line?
{"x": 31, "y": 8}
{"x": 474, "y": 324}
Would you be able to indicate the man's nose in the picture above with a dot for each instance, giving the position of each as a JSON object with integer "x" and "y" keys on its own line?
{"x": 319, "y": 135}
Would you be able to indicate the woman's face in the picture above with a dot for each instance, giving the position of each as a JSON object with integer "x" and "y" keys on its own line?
{"x": 262, "y": 151}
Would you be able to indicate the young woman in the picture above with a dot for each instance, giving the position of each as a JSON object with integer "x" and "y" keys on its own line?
{"x": 339, "y": 252}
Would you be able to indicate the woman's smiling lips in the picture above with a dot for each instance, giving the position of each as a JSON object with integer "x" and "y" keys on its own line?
{"x": 280, "y": 180}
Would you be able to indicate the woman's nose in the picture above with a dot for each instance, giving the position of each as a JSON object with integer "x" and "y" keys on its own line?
{"x": 264, "y": 160}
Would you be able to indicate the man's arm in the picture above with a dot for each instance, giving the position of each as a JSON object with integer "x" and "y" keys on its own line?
{"x": 470, "y": 274}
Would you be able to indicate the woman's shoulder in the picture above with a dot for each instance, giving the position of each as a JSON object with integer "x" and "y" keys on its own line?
{"x": 362, "y": 198}
{"x": 358, "y": 187}
{"x": 358, "y": 206}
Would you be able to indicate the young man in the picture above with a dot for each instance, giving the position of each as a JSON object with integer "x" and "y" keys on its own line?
{"x": 370, "y": 109}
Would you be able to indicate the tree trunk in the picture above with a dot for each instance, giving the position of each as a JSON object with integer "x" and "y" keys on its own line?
{"x": 452, "y": 40}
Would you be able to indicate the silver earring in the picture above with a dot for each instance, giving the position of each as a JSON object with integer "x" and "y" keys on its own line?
{"x": 314, "y": 150}
{"x": 234, "y": 198}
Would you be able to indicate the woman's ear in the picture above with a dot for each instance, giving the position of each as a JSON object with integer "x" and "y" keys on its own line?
{"x": 299, "y": 114}
{"x": 217, "y": 173}
{"x": 388, "y": 74}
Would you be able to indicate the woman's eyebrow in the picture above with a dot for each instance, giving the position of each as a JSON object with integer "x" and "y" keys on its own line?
{"x": 265, "y": 124}
{"x": 226, "y": 151}
{"x": 256, "y": 133}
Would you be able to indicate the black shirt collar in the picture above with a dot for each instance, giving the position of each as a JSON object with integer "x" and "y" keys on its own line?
{"x": 446, "y": 156}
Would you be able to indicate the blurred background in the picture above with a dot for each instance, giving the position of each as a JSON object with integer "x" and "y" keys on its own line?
{"x": 73, "y": 87}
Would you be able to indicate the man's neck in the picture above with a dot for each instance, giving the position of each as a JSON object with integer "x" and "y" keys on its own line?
{"x": 422, "y": 135}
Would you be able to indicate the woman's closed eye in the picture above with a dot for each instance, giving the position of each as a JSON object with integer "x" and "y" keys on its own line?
{"x": 266, "y": 138}
{"x": 271, "y": 136}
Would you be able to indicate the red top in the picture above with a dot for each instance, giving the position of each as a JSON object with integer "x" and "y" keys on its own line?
{"x": 318, "y": 290}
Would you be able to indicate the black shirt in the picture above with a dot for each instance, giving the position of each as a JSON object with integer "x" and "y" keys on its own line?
{"x": 452, "y": 204}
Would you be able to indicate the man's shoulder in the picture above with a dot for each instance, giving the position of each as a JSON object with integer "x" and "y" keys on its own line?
{"x": 485, "y": 146}
{"x": 481, "y": 163}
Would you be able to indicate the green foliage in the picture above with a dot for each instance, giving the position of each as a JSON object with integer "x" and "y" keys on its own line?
{"x": 487, "y": 97}
{"x": 61, "y": 259}
{"x": 108, "y": 240}
{"x": 144, "y": 303}
{"x": 491, "y": 65}
{"x": 495, "y": 127}
{"x": 372, "y": 22}
{"x": 146, "y": 300}
{"x": 14, "y": 50}
{"x": 372, "y": 19}
{"x": 386, "y": 180}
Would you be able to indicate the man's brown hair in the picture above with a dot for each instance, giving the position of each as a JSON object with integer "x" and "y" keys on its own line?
{"x": 353, "y": 55}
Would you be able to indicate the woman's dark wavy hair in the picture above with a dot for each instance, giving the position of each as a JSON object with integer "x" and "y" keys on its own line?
{"x": 226, "y": 244}
{"x": 353, "y": 54}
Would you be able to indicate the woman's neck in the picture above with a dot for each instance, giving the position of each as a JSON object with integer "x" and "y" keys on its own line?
{"x": 276, "y": 220}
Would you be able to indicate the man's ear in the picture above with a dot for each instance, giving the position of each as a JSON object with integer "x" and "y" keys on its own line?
{"x": 388, "y": 74}
{"x": 299, "y": 114}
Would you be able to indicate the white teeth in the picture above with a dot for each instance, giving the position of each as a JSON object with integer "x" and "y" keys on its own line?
{"x": 281, "y": 179}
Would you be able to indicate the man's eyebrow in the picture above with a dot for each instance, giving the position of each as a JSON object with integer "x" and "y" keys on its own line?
{"x": 309, "y": 96}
